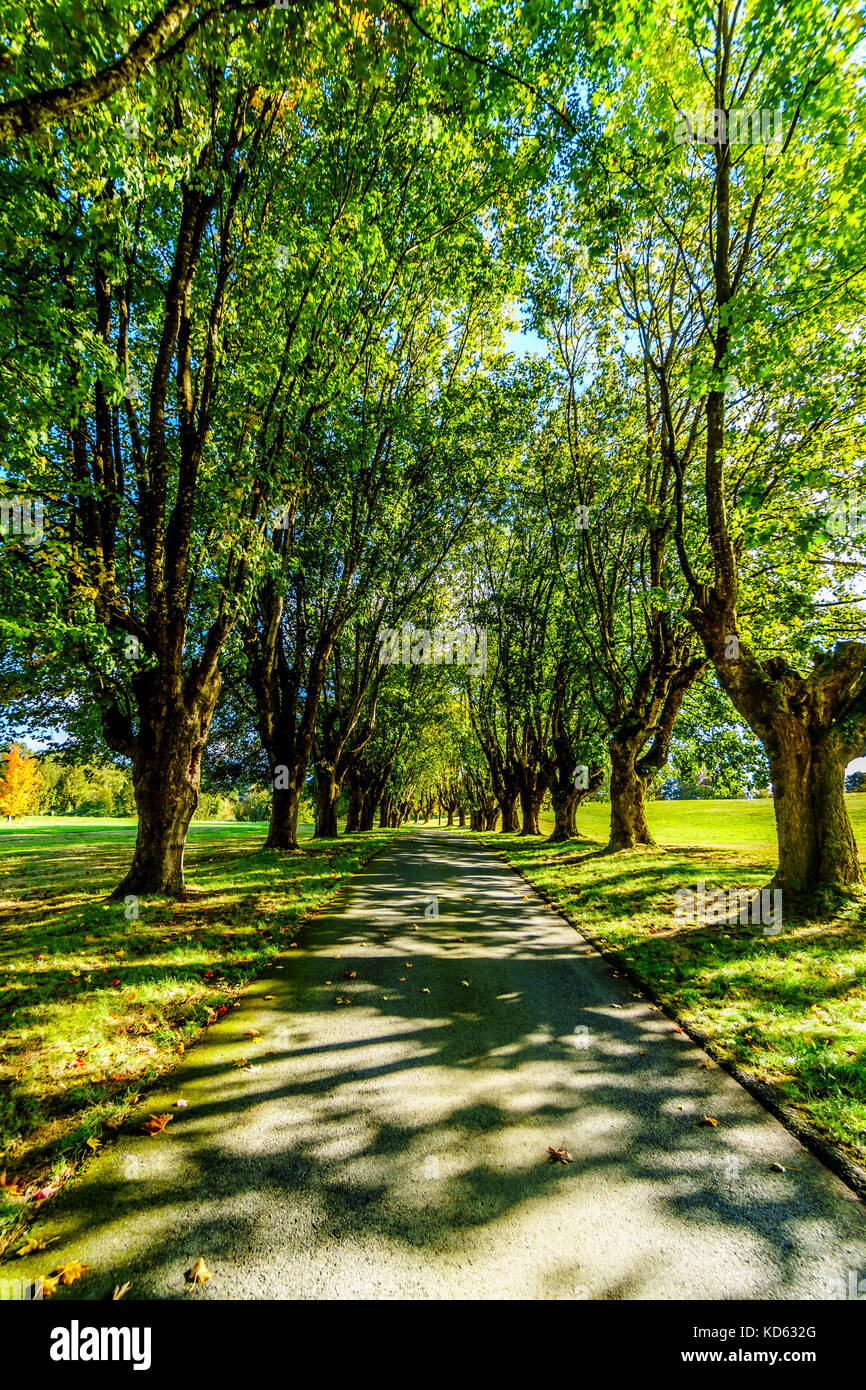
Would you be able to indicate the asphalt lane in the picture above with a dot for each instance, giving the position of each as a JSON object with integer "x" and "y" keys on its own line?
{"x": 396, "y": 1146}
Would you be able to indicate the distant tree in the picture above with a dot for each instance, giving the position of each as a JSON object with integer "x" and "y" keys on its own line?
{"x": 855, "y": 782}
{"x": 18, "y": 784}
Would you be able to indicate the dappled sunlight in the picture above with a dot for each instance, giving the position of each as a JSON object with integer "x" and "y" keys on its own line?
{"x": 414, "y": 1123}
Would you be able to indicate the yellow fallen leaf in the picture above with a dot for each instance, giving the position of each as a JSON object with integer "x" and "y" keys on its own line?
{"x": 68, "y": 1273}
{"x": 49, "y": 1285}
{"x": 119, "y": 1291}
{"x": 32, "y": 1245}
{"x": 708, "y": 1120}
{"x": 199, "y": 1274}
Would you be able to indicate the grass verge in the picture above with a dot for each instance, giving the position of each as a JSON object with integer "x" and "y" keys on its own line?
{"x": 788, "y": 1009}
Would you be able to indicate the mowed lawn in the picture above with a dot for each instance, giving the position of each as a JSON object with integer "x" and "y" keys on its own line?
{"x": 791, "y": 1009}
{"x": 94, "y": 1005}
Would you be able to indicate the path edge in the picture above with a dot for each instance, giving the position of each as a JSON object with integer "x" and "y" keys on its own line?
{"x": 830, "y": 1155}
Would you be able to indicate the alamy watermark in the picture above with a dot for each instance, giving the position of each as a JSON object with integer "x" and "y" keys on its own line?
{"x": 416, "y": 646}
{"x": 737, "y": 905}
{"x": 847, "y": 515}
{"x": 733, "y": 127}
{"x": 20, "y": 517}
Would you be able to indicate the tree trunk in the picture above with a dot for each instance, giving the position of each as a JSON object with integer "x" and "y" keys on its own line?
{"x": 327, "y": 797}
{"x": 353, "y": 810}
{"x": 530, "y": 802}
{"x": 628, "y": 824}
{"x": 283, "y": 828}
{"x": 385, "y": 813}
{"x": 811, "y": 727}
{"x": 166, "y": 772}
{"x": 563, "y": 814}
{"x": 508, "y": 806}
{"x": 165, "y": 800}
{"x": 816, "y": 842}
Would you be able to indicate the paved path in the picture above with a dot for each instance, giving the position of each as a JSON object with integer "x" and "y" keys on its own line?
{"x": 396, "y": 1147}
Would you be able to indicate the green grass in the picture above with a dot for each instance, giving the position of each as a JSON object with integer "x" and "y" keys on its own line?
{"x": 791, "y": 1009}
{"x": 93, "y": 1007}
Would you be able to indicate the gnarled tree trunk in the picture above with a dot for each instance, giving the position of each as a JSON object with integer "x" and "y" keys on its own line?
{"x": 628, "y": 823}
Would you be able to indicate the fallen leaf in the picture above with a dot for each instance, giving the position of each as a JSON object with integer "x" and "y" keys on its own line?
{"x": 270, "y": 996}
{"x": 350, "y": 975}
{"x": 119, "y": 1291}
{"x": 68, "y": 1273}
{"x": 342, "y": 999}
{"x": 11, "y": 1187}
{"x": 560, "y": 1155}
{"x": 32, "y": 1245}
{"x": 199, "y": 1274}
{"x": 777, "y": 1168}
{"x": 49, "y": 1285}
{"x": 425, "y": 991}
{"x": 156, "y": 1124}
{"x": 708, "y": 1120}
{"x": 181, "y": 1104}
{"x": 251, "y": 1033}
{"x": 93, "y": 1144}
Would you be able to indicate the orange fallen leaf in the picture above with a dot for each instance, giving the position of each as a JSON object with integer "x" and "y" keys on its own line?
{"x": 68, "y": 1273}
{"x": 156, "y": 1124}
{"x": 560, "y": 1155}
{"x": 708, "y": 1120}
{"x": 251, "y": 1032}
{"x": 199, "y": 1274}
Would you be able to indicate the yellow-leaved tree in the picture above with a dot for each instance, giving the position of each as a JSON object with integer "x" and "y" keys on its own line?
{"x": 19, "y": 782}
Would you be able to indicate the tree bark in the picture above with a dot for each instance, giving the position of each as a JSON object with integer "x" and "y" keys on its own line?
{"x": 508, "y": 806}
{"x": 166, "y": 773}
{"x": 283, "y": 827}
{"x": 327, "y": 797}
{"x": 810, "y": 726}
{"x": 530, "y": 802}
{"x": 628, "y": 823}
{"x": 563, "y": 818}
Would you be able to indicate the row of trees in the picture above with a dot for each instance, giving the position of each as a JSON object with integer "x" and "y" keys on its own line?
{"x": 259, "y": 280}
